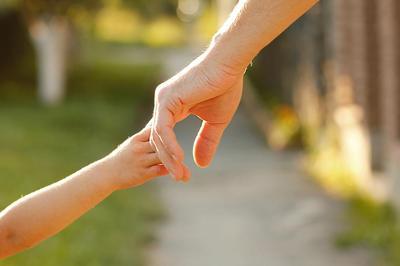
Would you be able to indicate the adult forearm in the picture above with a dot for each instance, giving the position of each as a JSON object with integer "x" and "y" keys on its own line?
{"x": 45, "y": 212}
{"x": 252, "y": 25}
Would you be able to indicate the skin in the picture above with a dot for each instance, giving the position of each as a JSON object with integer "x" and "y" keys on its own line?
{"x": 211, "y": 86}
{"x": 47, "y": 211}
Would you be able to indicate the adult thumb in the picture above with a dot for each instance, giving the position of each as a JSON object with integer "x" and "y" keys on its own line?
{"x": 207, "y": 142}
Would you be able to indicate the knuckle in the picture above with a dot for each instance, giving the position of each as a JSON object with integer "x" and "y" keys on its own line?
{"x": 161, "y": 92}
{"x": 135, "y": 148}
{"x": 133, "y": 139}
{"x": 159, "y": 129}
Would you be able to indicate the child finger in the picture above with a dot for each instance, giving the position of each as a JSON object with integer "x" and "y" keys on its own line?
{"x": 146, "y": 147}
{"x": 157, "y": 170}
{"x": 143, "y": 135}
{"x": 152, "y": 159}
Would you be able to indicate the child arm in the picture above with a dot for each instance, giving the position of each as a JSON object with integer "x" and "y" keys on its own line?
{"x": 47, "y": 211}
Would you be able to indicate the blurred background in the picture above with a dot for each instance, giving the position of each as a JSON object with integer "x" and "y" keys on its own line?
{"x": 77, "y": 77}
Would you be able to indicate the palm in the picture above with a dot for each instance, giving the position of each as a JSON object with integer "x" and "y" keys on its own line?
{"x": 216, "y": 114}
{"x": 219, "y": 110}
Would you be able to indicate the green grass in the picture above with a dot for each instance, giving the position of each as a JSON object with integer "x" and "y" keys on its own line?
{"x": 40, "y": 145}
{"x": 374, "y": 226}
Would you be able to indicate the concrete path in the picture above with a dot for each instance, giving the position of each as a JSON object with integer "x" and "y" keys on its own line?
{"x": 252, "y": 207}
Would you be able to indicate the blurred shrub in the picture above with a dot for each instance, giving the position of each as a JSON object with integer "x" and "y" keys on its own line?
{"x": 149, "y": 9}
{"x": 46, "y": 9}
{"x": 16, "y": 51}
{"x": 113, "y": 80}
{"x": 325, "y": 164}
{"x": 373, "y": 225}
{"x": 207, "y": 23}
{"x": 118, "y": 25}
{"x": 40, "y": 145}
{"x": 164, "y": 31}
{"x": 285, "y": 128}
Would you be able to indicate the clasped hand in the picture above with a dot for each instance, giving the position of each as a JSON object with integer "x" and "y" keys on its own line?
{"x": 205, "y": 88}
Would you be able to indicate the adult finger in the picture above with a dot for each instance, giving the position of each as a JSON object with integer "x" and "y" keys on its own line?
{"x": 163, "y": 127}
{"x": 168, "y": 148}
{"x": 207, "y": 142}
{"x": 174, "y": 150}
{"x": 186, "y": 174}
{"x": 174, "y": 167}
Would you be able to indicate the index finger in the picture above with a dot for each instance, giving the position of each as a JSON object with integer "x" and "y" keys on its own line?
{"x": 167, "y": 146}
{"x": 163, "y": 126}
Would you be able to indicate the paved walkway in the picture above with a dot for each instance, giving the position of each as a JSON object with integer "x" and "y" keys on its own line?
{"x": 252, "y": 207}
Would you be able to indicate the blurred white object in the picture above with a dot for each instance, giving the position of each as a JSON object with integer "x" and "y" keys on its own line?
{"x": 50, "y": 38}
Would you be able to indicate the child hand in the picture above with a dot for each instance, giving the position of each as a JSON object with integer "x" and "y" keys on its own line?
{"x": 134, "y": 162}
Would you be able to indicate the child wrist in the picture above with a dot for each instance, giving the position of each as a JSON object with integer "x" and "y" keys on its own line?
{"x": 107, "y": 175}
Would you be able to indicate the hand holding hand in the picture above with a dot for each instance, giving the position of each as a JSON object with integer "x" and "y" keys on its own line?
{"x": 205, "y": 88}
{"x": 134, "y": 162}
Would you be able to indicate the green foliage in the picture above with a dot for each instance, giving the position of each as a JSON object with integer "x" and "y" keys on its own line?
{"x": 52, "y": 8}
{"x": 41, "y": 145}
{"x": 114, "y": 81}
{"x": 285, "y": 128}
{"x": 16, "y": 51}
{"x": 375, "y": 226}
{"x": 326, "y": 165}
{"x": 7, "y": 4}
{"x": 152, "y": 8}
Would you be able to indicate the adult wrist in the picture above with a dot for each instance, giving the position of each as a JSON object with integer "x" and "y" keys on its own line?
{"x": 219, "y": 68}
{"x": 223, "y": 55}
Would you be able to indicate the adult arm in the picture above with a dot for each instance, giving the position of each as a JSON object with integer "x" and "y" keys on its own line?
{"x": 211, "y": 86}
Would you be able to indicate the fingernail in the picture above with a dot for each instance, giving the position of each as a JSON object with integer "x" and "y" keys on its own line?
{"x": 175, "y": 158}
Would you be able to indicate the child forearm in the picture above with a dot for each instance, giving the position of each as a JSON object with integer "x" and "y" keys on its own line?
{"x": 47, "y": 211}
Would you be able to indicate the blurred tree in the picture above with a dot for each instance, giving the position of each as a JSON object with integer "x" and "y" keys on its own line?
{"x": 49, "y": 26}
{"x": 152, "y": 8}
{"x": 16, "y": 51}
{"x": 49, "y": 23}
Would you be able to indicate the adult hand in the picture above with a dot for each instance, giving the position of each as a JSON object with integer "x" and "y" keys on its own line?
{"x": 205, "y": 88}
{"x": 211, "y": 86}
